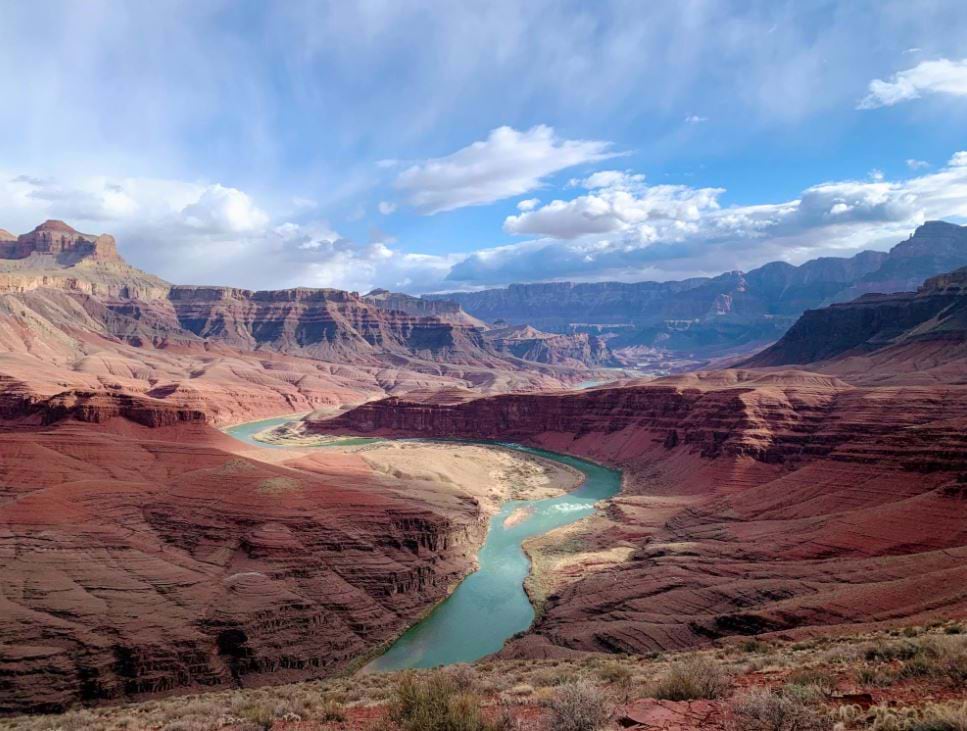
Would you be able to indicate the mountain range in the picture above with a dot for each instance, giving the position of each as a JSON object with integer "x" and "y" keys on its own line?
{"x": 686, "y": 324}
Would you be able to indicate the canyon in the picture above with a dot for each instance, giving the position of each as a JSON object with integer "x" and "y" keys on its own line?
{"x": 815, "y": 488}
{"x": 762, "y": 500}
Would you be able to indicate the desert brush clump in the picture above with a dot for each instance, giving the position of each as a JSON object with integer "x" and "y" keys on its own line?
{"x": 788, "y": 709}
{"x": 437, "y": 702}
{"x": 693, "y": 679}
{"x": 950, "y": 716}
{"x": 580, "y": 706}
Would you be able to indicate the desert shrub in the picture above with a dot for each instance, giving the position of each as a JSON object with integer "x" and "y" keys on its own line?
{"x": 766, "y": 710}
{"x": 330, "y": 712}
{"x": 889, "y": 651}
{"x": 755, "y": 646}
{"x": 258, "y": 714}
{"x": 580, "y": 706}
{"x": 614, "y": 672}
{"x": 812, "y": 678}
{"x": 464, "y": 677}
{"x": 692, "y": 679}
{"x": 873, "y": 677}
{"x": 436, "y": 703}
{"x": 76, "y": 720}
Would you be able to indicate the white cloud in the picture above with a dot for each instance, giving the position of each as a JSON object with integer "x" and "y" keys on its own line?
{"x": 695, "y": 119}
{"x": 929, "y": 77}
{"x": 507, "y": 163}
{"x": 640, "y": 232}
{"x": 617, "y": 227}
{"x": 528, "y": 204}
{"x": 303, "y": 203}
{"x": 914, "y": 164}
{"x": 386, "y": 207}
{"x": 619, "y": 201}
{"x": 223, "y": 210}
{"x": 192, "y": 233}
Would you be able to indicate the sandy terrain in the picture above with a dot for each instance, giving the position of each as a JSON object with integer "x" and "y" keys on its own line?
{"x": 489, "y": 474}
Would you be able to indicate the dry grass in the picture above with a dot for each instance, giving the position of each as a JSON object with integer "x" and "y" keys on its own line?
{"x": 796, "y": 680}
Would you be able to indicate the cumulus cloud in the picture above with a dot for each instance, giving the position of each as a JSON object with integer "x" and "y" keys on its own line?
{"x": 635, "y": 231}
{"x": 528, "y": 204}
{"x": 929, "y": 77}
{"x": 914, "y": 164}
{"x": 508, "y": 163}
{"x": 619, "y": 201}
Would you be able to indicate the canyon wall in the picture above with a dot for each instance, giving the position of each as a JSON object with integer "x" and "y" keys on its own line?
{"x": 140, "y": 560}
{"x": 752, "y": 502}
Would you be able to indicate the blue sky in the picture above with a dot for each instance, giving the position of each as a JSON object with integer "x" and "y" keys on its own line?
{"x": 426, "y": 146}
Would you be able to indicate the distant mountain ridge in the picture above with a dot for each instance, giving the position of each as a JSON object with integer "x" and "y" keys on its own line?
{"x": 710, "y": 317}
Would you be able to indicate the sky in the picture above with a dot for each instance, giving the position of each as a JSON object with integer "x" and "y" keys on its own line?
{"x": 435, "y": 146}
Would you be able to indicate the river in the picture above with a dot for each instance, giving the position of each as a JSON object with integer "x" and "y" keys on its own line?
{"x": 489, "y": 606}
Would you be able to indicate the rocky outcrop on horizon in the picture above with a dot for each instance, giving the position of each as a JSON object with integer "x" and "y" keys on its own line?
{"x": 445, "y": 310}
{"x": 56, "y": 256}
{"x": 929, "y": 326}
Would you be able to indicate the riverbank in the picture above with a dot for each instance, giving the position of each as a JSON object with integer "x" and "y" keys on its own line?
{"x": 491, "y": 474}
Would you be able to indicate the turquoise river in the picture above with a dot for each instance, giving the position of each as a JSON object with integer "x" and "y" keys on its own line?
{"x": 489, "y": 606}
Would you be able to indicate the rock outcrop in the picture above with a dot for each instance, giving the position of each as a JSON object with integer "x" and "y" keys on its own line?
{"x": 442, "y": 309}
{"x": 920, "y": 335}
{"x": 574, "y": 349}
{"x": 57, "y": 239}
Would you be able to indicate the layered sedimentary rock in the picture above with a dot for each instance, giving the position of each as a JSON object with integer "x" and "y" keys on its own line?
{"x": 324, "y": 323}
{"x": 574, "y": 349}
{"x": 57, "y": 239}
{"x": 445, "y": 310}
{"x": 140, "y": 561}
{"x": 752, "y": 503}
{"x": 920, "y": 334}
{"x": 54, "y": 255}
